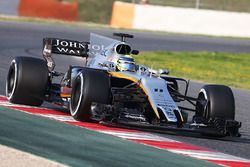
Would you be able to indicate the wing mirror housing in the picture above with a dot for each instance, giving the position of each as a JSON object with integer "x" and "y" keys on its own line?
{"x": 135, "y": 52}
{"x": 163, "y": 72}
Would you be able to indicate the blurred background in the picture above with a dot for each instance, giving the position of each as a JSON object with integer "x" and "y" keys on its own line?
{"x": 101, "y": 11}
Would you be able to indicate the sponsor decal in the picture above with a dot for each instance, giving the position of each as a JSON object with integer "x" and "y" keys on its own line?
{"x": 67, "y": 47}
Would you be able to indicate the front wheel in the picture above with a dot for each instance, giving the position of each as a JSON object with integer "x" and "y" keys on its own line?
{"x": 215, "y": 101}
{"x": 89, "y": 86}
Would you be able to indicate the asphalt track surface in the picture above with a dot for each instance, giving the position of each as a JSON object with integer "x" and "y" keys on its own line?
{"x": 25, "y": 39}
{"x": 75, "y": 146}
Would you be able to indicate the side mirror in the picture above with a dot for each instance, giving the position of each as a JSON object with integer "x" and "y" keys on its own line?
{"x": 135, "y": 52}
{"x": 163, "y": 72}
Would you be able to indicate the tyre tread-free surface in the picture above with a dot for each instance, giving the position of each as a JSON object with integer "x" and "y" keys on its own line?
{"x": 27, "y": 81}
{"x": 221, "y": 102}
{"x": 89, "y": 86}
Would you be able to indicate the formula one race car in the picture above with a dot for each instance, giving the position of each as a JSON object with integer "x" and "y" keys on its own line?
{"x": 112, "y": 89}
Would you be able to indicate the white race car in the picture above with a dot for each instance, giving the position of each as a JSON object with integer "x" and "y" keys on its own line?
{"x": 112, "y": 89}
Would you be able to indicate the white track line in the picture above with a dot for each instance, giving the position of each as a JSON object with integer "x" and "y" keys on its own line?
{"x": 138, "y": 136}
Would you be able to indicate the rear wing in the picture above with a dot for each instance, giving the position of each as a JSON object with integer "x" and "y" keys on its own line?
{"x": 63, "y": 47}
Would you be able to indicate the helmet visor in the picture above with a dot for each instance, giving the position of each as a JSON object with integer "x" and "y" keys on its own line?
{"x": 127, "y": 66}
{"x": 127, "y": 59}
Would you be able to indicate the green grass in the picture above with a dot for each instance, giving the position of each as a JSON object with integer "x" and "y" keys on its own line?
{"x": 51, "y": 21}
{"x": 211, "y": 67}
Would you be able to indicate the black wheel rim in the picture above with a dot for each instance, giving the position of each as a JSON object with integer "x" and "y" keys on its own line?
{"x": 11, "y": 80}
{"x": 201, "y": 106}
{"x": 76, "y": 94}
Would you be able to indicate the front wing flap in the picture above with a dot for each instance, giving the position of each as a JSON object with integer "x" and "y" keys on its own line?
{"x": 230, "y": 128}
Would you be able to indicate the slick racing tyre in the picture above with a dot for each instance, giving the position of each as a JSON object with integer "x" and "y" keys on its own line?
{"x": 89, "y": 86}
{"x": 27, "y": 81}
{"x": 215, "y": 101}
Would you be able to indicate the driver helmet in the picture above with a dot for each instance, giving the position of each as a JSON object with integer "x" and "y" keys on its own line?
{"x": 126, "y": 63}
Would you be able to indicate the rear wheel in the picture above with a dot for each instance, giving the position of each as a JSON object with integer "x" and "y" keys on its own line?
{"x": 27, "y": 81}
{"x": 89, "y": 86}
{"x": 215, "y": 101}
